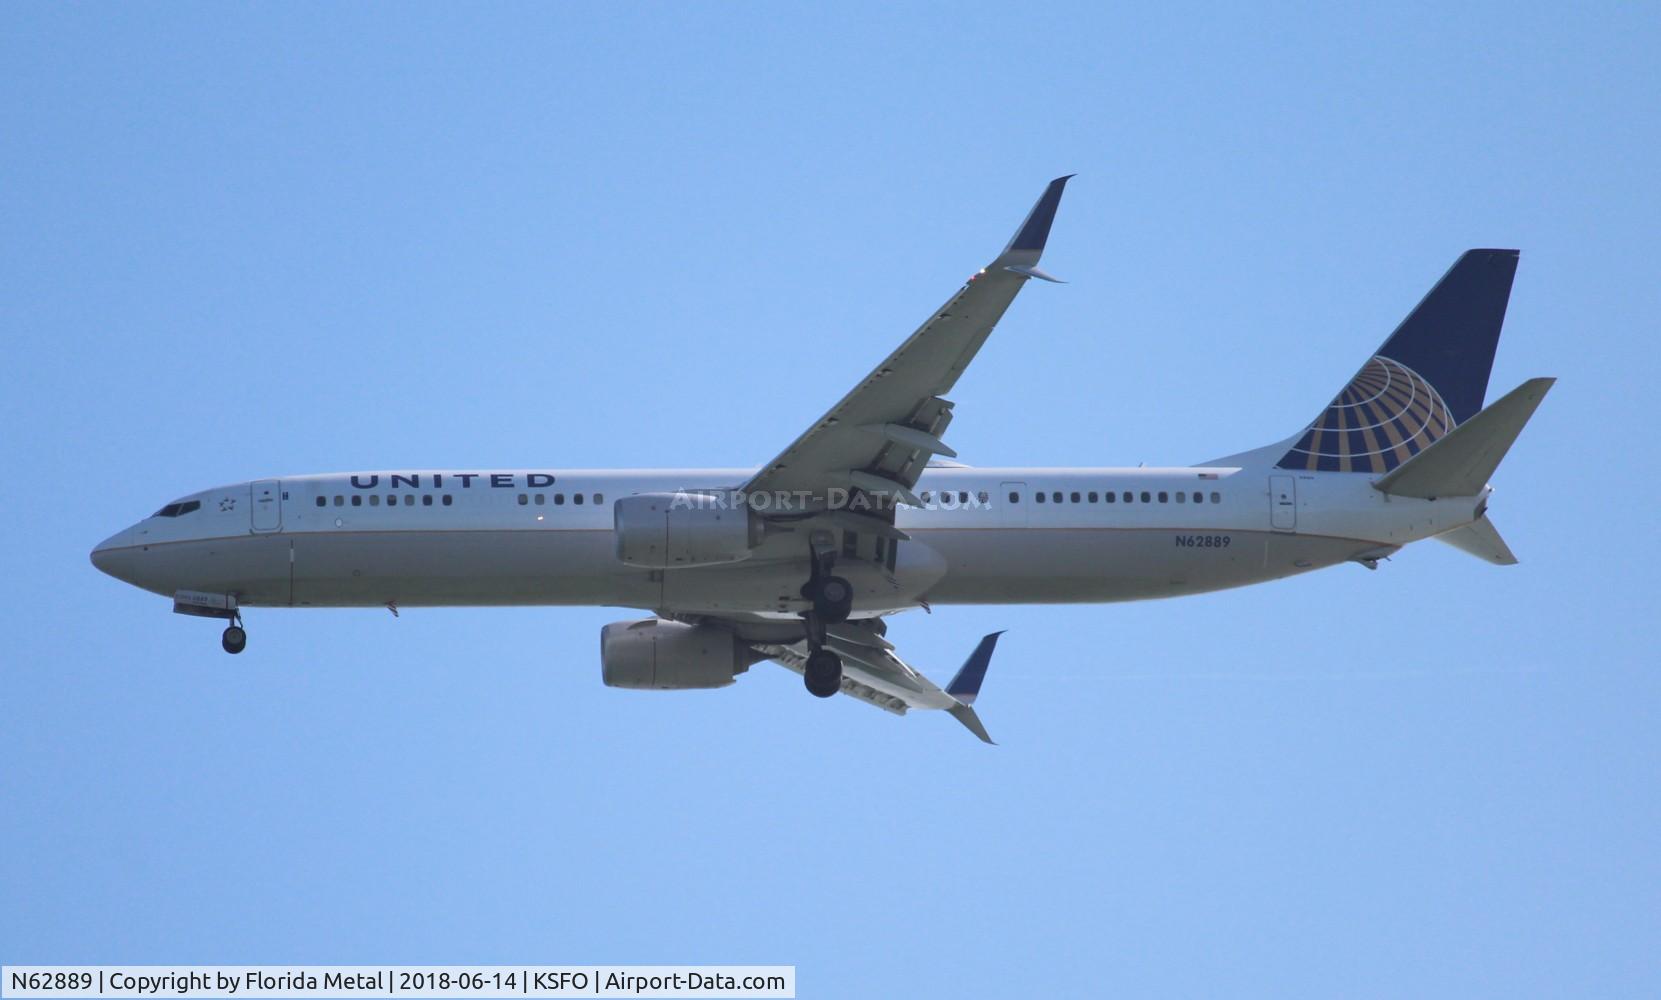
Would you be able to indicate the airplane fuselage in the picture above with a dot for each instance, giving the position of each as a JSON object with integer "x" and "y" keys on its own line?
{"x": 545, "y": 537}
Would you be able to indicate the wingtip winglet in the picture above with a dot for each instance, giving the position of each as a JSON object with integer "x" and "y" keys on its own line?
{"x": 965, "y": 686}
{"x": 1035, "y": 231}
{"x": 971, "y": 721}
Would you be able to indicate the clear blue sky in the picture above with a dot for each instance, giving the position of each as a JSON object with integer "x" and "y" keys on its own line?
{"x": 246, "y": 241}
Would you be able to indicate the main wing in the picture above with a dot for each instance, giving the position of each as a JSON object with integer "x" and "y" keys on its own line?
{"x": 879, "y": 438}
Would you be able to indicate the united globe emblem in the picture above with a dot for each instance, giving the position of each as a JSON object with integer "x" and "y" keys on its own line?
{"x": 1387, "y": 414}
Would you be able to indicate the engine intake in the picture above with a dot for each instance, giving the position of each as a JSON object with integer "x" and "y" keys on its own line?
{"x": 673, "y": 530}
{"x": 654, "y": 655}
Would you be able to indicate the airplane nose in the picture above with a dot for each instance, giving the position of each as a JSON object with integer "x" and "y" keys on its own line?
{"x": 103, "y": 557}
{"x": 113, "y": 556}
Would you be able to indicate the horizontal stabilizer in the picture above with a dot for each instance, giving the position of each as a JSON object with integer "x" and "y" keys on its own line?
{"x": 1481, "y": 539}
{"x": 1460, "y": 464}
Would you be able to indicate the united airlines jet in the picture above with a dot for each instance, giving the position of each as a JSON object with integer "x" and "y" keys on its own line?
{"x": 866, "y": 514}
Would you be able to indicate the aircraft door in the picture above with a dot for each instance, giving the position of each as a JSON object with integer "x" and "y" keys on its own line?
{"x": 1283, "y": 503}
{"x": 267, "y": 505}
{"x": 1012, "y": 500}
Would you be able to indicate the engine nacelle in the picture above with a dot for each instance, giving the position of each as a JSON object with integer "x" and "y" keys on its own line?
{"x": 674, "y": 530}
{"x": 652, "y": 654}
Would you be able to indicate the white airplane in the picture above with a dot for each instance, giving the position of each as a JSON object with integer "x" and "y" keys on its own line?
{"x": 865, "y": 515}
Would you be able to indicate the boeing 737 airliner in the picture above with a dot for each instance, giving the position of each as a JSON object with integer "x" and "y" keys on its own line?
{"x": 865, "y": 514}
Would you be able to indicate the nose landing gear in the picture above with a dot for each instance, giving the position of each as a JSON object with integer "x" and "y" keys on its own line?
{"x": 198, "y": 604}
{"x": 235, "y": 638}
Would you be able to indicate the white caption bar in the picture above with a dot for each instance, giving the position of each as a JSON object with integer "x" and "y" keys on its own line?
{"x": 398, "y": 981}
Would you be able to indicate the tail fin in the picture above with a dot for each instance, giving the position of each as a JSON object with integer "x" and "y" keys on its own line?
{"x": 1429, "y": 377}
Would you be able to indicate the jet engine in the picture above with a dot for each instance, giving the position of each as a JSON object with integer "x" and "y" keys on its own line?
{"x": 652, "y": 654}
{"x": 674, "y": 530}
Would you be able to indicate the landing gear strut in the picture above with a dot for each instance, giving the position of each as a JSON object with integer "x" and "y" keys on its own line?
{"x": 833, "y": 599}
{"x": 832, "y": 596}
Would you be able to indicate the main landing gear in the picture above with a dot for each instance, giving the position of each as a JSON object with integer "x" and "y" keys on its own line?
{"x": 823, "y": 673}
{"x": 833, "y": 599}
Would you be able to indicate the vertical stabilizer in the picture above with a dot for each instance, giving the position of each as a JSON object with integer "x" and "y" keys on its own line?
{"x": 1429, "y": 377}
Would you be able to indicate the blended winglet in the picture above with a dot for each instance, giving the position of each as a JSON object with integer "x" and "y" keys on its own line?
{"x": 965, "y": 687}
{"x": 1035, "y": 231}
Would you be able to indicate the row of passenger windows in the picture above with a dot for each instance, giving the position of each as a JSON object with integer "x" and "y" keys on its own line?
{"x": 446, "y": 500}
{"x": 1111, "y": 497}
{"x": 559, "y": 499}
{"x": 961, "y": 497}
{"x": 947, "y": 497}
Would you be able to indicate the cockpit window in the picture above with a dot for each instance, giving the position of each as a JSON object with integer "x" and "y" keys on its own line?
{"x": 179, "y": 509}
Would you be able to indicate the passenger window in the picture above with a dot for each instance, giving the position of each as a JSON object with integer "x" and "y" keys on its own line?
{"x": 1147, "y": 497}
{"x": 1092, "y": 496}
{"x": 339, "y": 500}
{"x": 1182, "y": 497}
{"x": 1216, "y": 498}
{"x": 1199, "y": 497}
{"x": 1014, "y": 497}
{"x": 374, "y": 499}
{"x": 1127, "y": 498}
{"x": 409, "y": 499}
{"x": 357, "y": 499}
{"x": 962, "y": 497}
{"x": 1074, "y": 498}
{"x": 599, "y": 498}
{"x": 1164, "y": 497}
{"x": 1056, "y": 496}
{"x": 984, "y": 496}
{"x": 426, "y": 499}
{"x": 322, "y": 501}
{"x": 1039, "y": 496}
{"x": 524, "y": 501}
{"x": 1110, "y": 496}
{"x": 541, "y": 499}
{"x": 559, "y": 499}
{"x": 576, "y": 498}
{"x": 448, "y": 499}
